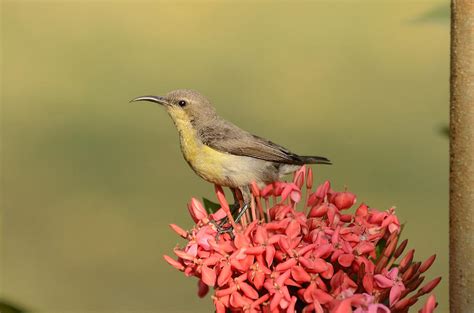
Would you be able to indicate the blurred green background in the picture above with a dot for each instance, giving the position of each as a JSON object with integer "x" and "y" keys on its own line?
{"x": 90, "y": 182}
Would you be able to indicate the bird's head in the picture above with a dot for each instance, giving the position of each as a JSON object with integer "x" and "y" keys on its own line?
{"x": 184, "y": 105}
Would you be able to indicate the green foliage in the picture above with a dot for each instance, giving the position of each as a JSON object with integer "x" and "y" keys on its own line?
{"x": 211, "y": 207}
{"x": 380, "y": 247}
{"x": 6, "y": 307}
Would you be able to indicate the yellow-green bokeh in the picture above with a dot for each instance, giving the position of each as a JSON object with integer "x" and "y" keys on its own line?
{"x": 90, "y": 182}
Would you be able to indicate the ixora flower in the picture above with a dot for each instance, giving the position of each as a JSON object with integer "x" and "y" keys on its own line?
{"x": 318, "y": 259}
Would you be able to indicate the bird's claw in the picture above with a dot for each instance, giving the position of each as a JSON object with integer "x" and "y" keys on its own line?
{"x": 221, "y": 230}
{"x": 220, "y": 226}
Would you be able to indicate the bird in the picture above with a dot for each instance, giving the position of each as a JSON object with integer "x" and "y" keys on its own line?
{"x": 222, "y": 153}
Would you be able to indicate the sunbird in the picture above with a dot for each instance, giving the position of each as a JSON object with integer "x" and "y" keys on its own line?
{"x": 221, "y": 152}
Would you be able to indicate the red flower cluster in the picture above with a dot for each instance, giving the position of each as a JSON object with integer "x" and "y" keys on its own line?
{"x": 320, "y": 259}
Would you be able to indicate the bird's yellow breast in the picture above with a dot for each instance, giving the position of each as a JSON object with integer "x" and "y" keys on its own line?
{"x": 205, "y": 161}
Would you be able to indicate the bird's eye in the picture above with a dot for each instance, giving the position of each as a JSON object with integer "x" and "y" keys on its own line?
{"x": 182, "y": 103}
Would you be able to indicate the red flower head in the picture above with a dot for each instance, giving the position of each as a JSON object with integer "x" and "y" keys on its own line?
{"x": 279, "y": 259}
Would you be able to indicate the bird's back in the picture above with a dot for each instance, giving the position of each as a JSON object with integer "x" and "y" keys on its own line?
{"x": 226, "y": 137}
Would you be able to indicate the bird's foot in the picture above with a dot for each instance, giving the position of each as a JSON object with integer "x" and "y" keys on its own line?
{"x": 223, "y": 226}
{"x": 233, "y": 208}
{"x": 238, "y": 217}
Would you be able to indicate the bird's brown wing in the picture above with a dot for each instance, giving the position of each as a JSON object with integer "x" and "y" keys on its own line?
{"x": 229, "y": 138}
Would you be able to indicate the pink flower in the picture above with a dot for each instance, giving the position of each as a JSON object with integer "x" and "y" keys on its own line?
{"x": 366, "y": 304}
{"x": 286, "y": 260}
{"x": 278, "y": 290}
{"x": 342, "y": 252}
{"x": 390, "y": 279}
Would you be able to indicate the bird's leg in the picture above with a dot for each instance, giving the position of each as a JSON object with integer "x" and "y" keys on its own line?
{"x": 220, "y": 226}
{"x": 234, "y": 208}
{"x": 245, "y": 199}
{"x": 237, "y": 200}
{"x": 241, "y": 213}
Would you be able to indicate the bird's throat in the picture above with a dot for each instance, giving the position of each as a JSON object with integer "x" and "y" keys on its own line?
{"x": 190, "y": 143}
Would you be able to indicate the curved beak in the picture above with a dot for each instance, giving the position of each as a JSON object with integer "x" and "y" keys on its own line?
{"x": 156, "y": 99}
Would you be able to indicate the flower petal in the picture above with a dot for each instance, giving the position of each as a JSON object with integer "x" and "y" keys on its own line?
{"x": 395, "y": 293}
{"x": 288, "y": 264}
{"x": 173, "y": 262}
{"x": 224, "y": 275}
{"x": 208, "y": 276}
{"x": 237, "y": 300}
{"x": 218, "y": 215}
{"x": 343, "y": 307}
{"x": 248, "y": 290}
{"x": 382, "y": 281}
{"x": 269, "y": 255}
{"x": 299, "y": 274}
{"x": 345, "y": 259}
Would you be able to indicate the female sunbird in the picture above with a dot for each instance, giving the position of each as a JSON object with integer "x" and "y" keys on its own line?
{"x": 222, "y": 153}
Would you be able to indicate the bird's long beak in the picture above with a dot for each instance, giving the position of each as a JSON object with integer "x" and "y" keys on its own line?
{"x": 157, "y": 99}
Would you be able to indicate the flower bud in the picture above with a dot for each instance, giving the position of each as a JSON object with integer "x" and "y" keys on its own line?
{"x": 179, "y": 230}
{"x": 430, "y": 286}
{"x": 430, "y": 305}
{"x": 299, "y": 177}
{"x": 427, "y": 264}
{"x": 173, "y": 262}
{"x": 344, "y": 200}
{"x": 203, "y": 289}
{"x": 197, "y": 211}
{"x": 309, "y": 179}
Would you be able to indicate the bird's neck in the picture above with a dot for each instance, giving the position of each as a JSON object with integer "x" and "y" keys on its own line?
{"x": 190, "y": 142}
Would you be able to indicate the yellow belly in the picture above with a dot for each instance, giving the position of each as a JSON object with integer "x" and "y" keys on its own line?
{"x": 219, "y": 167}
{"x": 225, "y": 169}
{"x": 207, "y": 163}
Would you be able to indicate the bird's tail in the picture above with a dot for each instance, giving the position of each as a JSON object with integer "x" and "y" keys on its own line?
{"x": 314, "y": 160}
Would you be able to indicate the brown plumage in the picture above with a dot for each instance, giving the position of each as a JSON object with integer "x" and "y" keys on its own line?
{"x": 227, "y": 137}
